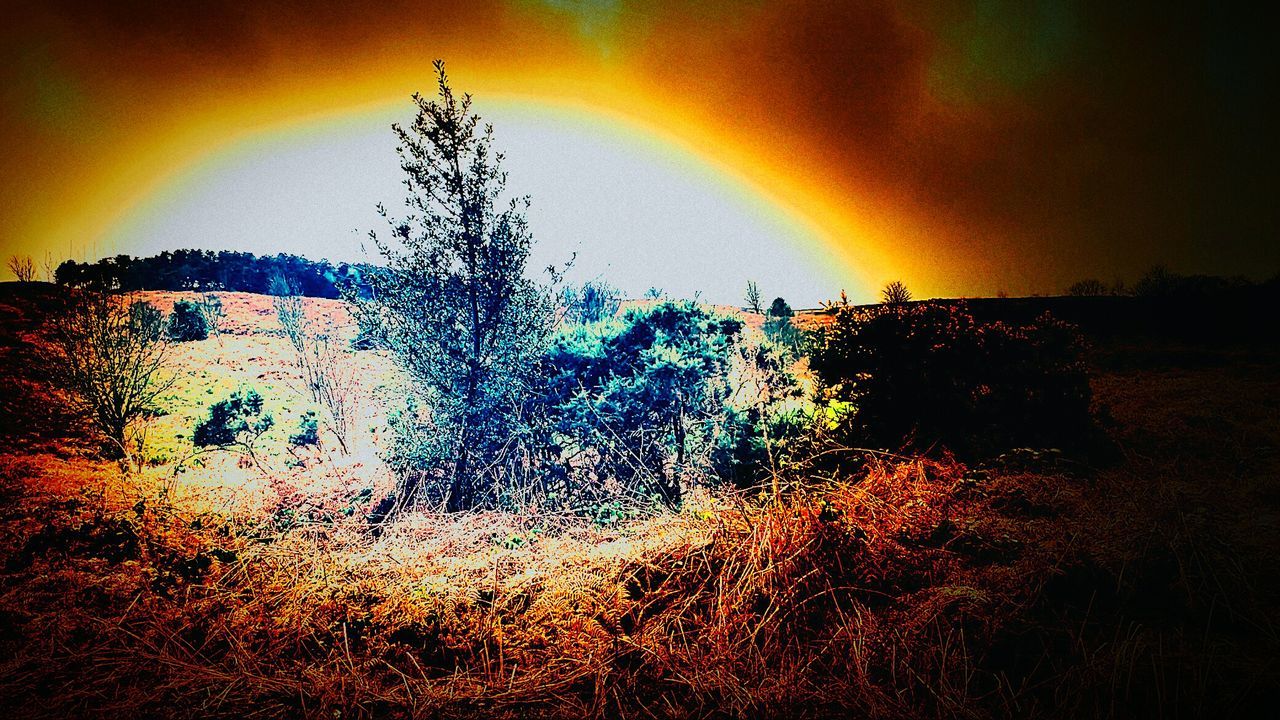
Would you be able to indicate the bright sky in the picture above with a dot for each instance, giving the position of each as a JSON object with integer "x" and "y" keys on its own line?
{"x": 637, "y": 210}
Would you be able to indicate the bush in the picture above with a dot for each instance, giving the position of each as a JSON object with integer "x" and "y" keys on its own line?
{"x": 1089, "y": 287}
{"x": 782, "y": 332}
{"x": 308, "y": 431}
{"x": 187, "y": 323}
{"x": 328, "y": 378}
{"x": 212, "y": 311}
{"x": 593, "y": 302}
{"x": 234, "y": 423}
{"x": 146, "y": 321}
{"x": 643, "y": 400}
{"x": 928, "y": 375}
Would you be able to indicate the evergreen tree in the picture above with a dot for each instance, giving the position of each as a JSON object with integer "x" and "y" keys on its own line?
{"x": 455, "y": 308}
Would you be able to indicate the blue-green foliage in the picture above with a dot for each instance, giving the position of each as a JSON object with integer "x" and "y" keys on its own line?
{"x": 308, "y": 430}
{"x": 455, "y": 308}
{"x": 187, "y": 322}
{"x": 642, "y": 400}
{"x": 236, "y": 421}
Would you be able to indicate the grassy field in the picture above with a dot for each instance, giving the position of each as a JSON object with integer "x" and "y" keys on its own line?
{"x": 1138, "y": 584}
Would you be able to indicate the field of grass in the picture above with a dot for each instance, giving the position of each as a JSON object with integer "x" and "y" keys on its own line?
{"x": 1138, "y": 584}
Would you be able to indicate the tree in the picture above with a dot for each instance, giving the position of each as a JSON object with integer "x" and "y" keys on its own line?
{"x": 1088, "y": 287}
{"x": 895, "y": 293}
{"x": 110, "y": 359}
{"x": 456, "y": 309}
{"x": 753, "y": 297}
{"x": 326, "y": 372}
{"x": 210, "y": 306}
{"x": 779, "y": 328}
{"x": 23, "y": 267}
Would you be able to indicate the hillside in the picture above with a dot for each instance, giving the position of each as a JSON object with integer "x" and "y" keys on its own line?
{"x": 1030, "y": 586}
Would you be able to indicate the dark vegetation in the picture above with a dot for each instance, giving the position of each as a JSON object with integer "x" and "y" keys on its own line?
{"x": 927, "y": 376}
{"x": 590, "y": 302}
{"x": 187, "y": 323}
{"x": 238, "y": 420}
{"x": 22, "y": 267}
{"x": 1028, "y": 584}
{"x": 895, "y": 293}
{"x": 211, "y": 271}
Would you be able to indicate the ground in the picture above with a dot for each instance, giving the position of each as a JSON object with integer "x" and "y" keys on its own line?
{"x": 1137, "y": 583}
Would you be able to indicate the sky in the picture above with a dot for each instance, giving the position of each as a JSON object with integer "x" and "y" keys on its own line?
{"x": 962, "y": 147}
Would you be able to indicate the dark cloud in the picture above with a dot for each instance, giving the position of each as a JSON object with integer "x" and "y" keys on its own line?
{"x": 1045, "y": 139}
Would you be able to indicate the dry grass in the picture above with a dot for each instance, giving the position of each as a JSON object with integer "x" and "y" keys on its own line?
{"x": 914, "y": 589}
{"x": 819, "y": 601}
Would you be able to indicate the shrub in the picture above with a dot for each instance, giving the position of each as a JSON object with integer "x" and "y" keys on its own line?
{"x": 1089, "y": 287}
{"x": 308, "y": 431}
{"x": 22, "y": 267}
{"x": 592, "y": 302}
{"x": 642, "y": 400}
{"x": 783, "y": 333}
{"x": 235, "y": 423}
{"x": 929, "y": 375}
{"x": 187, "y": 323}
{"x": 146, "y": 321}
{"x": 327, "y": 376}
{"x": 211, "y": 310}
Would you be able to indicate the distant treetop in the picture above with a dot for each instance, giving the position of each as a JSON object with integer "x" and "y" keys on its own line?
{"x": 207, "y": 270}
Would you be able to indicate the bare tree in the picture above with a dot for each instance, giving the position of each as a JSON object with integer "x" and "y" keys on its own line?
{"x": 1087, "y": 288}
{"x": 110, "y": 358}
{"x": 753, "y": 297}
{"x": 50, "y": 267}
{"x": 23, "y": 267}
{"x": 895, "y": 293}
{"x": 325, "y": 368}
{"x": 210, "y": 306}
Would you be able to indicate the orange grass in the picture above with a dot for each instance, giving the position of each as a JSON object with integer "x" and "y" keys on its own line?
{"x": 837, "y": 597}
